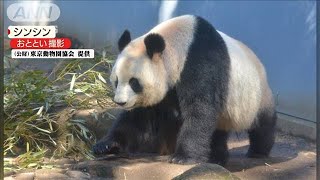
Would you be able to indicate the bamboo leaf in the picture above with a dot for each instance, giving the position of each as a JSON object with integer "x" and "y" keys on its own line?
{"x": 73, "y": 80}
{"x": 101, "y": 78}
{"x": 40, "y": 110}
{"x": 40, "y": 129}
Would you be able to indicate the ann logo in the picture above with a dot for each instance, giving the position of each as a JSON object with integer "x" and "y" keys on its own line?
{"x": 33, "y": 12}
{"x": 39, "y": 12}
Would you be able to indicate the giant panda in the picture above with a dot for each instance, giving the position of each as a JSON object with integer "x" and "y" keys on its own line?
{"x": 184, "y": 86}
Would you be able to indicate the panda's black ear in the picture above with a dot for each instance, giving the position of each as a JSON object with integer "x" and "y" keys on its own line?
{"x": 124, "y": 40}
{"x": 154, "y": 44}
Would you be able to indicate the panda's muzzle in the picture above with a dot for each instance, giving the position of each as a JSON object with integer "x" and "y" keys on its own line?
{"x": 120, "y": 103}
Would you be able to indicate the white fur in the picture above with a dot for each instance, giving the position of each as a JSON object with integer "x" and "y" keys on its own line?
{"x": 123, "y": 92}
{"x": 245, "y": 91}
{"x": 130, "y": 65}
{"x": 158, "y": 74}
{"x": 178, "y": 34}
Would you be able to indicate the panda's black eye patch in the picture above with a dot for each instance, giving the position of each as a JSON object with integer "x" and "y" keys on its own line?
{"x": 135, "y": 85}
{"x": 116, "y": 82}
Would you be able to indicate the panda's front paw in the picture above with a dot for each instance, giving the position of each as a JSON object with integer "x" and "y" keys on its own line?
{"x": 180, "y": 159}
{"x": 106, "y": 147}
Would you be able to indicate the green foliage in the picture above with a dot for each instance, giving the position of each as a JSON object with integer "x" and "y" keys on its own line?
{"x": 26, "y": 161}
{"x": 28, "y": 96}
{"x": 31, "y": 104}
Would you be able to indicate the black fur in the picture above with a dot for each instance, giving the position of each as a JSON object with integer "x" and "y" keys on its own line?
{"x": 124, "y": 40}
{"x": 135, "y": 85}
{"x": 202, "y": 92}
{"x": 116, "y": 82}
{"x": 219, "y": 147}
{"x": 147, "y": 130}
{"x": 154, "y": 44}
{"x": 261, "y": 135}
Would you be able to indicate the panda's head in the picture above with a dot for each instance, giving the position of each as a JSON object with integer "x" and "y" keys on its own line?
{"x": 138, "y": 76}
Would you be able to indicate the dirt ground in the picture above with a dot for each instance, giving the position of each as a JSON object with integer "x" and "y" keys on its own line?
{"x": 291, "y": 158}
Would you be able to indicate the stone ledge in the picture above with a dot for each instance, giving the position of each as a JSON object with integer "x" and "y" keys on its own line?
{"x": 296, "y": 127}
{"x": 150, "y": 167}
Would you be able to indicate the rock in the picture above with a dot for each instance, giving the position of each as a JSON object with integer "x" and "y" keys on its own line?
{"x": 150, "y": 167}
{"x": 78, "y": 175}
{"x": 63, "y": 161}
{"x": 207, "y": 171}
{"x": 97, "y": 168}
{"x": 25, "y": 176}
{"x": 48, "y": 174}
{"x": 9, "y": 178}
{"x": 9, "y": 173}
{"x": 51, "y": 176}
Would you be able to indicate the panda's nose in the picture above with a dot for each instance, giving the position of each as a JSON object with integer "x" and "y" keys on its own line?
{"x": 120, "y": 103}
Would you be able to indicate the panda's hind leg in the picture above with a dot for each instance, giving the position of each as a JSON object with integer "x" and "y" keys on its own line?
{"x": 262, "y": 134}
